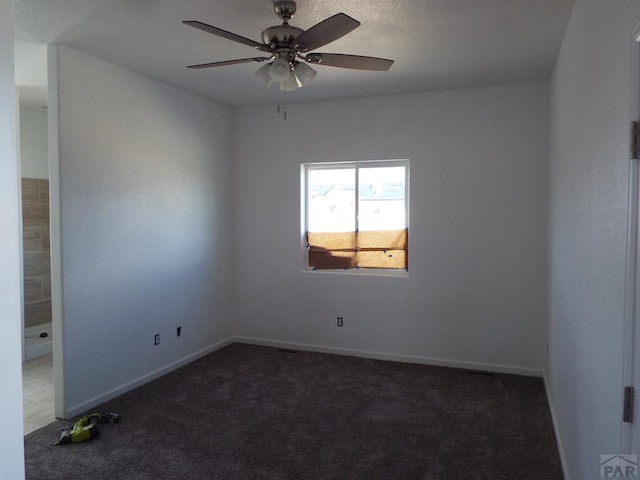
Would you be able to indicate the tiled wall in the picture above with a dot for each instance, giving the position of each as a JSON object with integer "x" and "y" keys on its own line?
{"x": 37, "y": 260}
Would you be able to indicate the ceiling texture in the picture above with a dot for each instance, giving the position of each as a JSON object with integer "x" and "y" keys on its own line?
{"x": 436, "y": 44}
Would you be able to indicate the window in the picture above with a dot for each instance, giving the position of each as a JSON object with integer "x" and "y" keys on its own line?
{"x": 356, "y": 215}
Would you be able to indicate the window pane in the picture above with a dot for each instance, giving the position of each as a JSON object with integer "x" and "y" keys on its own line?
{"x": 382, "y": 202}
{"x": 331, "y": 194}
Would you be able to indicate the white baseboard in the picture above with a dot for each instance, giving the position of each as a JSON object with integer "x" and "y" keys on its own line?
{"x": 106, "y": 396}
{"x": 439, "y": 362}
{"x": 556, "y": 429}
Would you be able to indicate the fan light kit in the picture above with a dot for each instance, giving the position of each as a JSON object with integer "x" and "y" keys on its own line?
{"x": 288, "y": 46}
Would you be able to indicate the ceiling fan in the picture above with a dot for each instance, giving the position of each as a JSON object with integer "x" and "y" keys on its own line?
{"x": 287, "y": 48}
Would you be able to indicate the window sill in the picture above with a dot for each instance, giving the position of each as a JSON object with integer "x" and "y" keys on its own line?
{"x": 365, "y": 272}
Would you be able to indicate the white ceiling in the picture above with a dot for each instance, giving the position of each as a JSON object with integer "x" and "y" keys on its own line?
{"x": 436, "y": 44}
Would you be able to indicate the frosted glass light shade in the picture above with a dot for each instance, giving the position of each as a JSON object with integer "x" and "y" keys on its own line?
{"x": 304, "y": 73}
{"x": 291, "y": 84}
{"x": 279, "y": 70}
{"x": 263, "y": 74}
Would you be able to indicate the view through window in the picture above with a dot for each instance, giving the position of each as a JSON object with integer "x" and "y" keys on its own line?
{"x": 357, "y": 215}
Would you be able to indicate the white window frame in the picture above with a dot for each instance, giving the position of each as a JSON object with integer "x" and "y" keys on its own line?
{"x": 356, "y": 164}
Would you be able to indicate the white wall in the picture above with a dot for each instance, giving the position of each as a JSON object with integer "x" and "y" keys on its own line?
{"x": 145, "y": 204}
{"x": 11, "y": 445}
{"x": 34, "y": 159}
{"x": 476, "y": 293}
{"x": 589, "y": 135}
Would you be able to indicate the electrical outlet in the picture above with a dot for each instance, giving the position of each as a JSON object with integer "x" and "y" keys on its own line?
{"x": 178, "y": 331}
{"x": 156, "y": 339}
{"x": 340, "y": 321}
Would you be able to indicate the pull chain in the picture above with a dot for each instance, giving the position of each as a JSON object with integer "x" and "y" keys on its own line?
{"x": 282, "y": 106}
{"x": 285, "y": 105}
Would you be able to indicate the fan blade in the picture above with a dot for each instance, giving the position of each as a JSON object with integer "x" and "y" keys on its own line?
{"x": 230, "y": 62}
{"x": 325, "y": 32}
{"x": 357, "y": 62}
{"x": 228, "y": 35}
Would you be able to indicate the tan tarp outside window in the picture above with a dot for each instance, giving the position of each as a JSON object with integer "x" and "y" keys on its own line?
{"x": 386, "y": 249}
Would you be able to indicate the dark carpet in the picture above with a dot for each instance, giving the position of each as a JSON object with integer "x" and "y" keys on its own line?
{"x": 247, "y": 412}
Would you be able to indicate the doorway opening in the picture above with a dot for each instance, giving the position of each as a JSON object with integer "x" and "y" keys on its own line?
{"x": 37, "y": 319}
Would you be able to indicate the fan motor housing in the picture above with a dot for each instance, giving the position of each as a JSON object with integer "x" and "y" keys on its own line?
{"x": 280, "y": 35}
